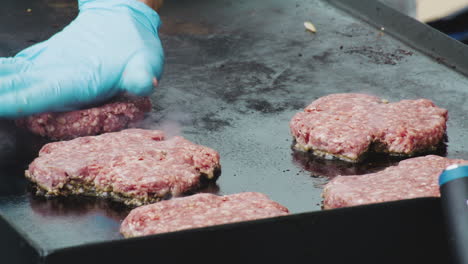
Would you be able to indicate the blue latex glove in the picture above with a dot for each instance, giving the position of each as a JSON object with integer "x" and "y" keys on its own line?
{"x": 111, "y": 47}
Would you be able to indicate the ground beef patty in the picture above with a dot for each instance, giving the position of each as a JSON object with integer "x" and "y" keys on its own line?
{"x": 198, "y": 211}
{"x": 411, "y": 178}
{"x": 348, "y": 125}
{"x": 135, "y": 166}
{"x": 112, "y": 116}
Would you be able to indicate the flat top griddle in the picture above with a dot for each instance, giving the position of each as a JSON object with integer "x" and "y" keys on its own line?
{"x": 235, "y": 74}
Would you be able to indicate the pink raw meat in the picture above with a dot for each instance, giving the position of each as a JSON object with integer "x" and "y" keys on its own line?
{"x": 199, "y": 210}
{"x": 411, "y": 178}
{"x": 135, "y": 166}
{"x": 113, "y": 116}
{"x": 348, "y": 125}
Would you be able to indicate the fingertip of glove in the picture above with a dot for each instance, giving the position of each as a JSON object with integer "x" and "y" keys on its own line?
{"x": 138, "y": 83}
{"x": 141, "y": 74}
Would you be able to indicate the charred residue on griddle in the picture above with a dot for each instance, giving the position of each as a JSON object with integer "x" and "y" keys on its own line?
{"x": 239, "y": 77}
{"x": 211, "y": 123}
{"x": 354, "y": 30}
{"x": 279, "y": 81}
{"x": 256, "y": 85}
{"x": 244, "y": 67}
{"x": 265, "y": 107}
{"x": 283, "y": 82}
{"x": 379, "y": 56}
{"x": 288, "y": 46}
{"x": 156, "y": 108}
{"x": 404, "y": 52}
{"x": 297, "y": 104}
{"x": 441, "y": 60}
{"x": 216, "y": 46}
{"x": 182, "y": 26}
{"x": 345, "y": 34}
{"x": 324, "y": 57}
{"x": 278, "y": 10}
{"x": 208, "y": 49}
{"x": 221, "y": 45}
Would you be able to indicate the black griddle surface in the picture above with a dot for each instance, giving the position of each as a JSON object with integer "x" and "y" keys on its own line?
{"x": 235, "y": 74}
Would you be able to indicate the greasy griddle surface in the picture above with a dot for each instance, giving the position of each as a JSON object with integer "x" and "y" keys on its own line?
{"x": 236, "y": 72}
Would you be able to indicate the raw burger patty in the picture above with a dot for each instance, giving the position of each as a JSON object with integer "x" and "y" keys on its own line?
{"x": 113, "y": 116}
{"x": 199, "y": 210}
{"x": 135, "y": 166}
{"x": 347, "y": 125}
{"x": 411, "y": 178}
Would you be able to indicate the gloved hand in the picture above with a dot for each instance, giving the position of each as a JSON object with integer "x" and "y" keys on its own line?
{"x": 111, "y": 47}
